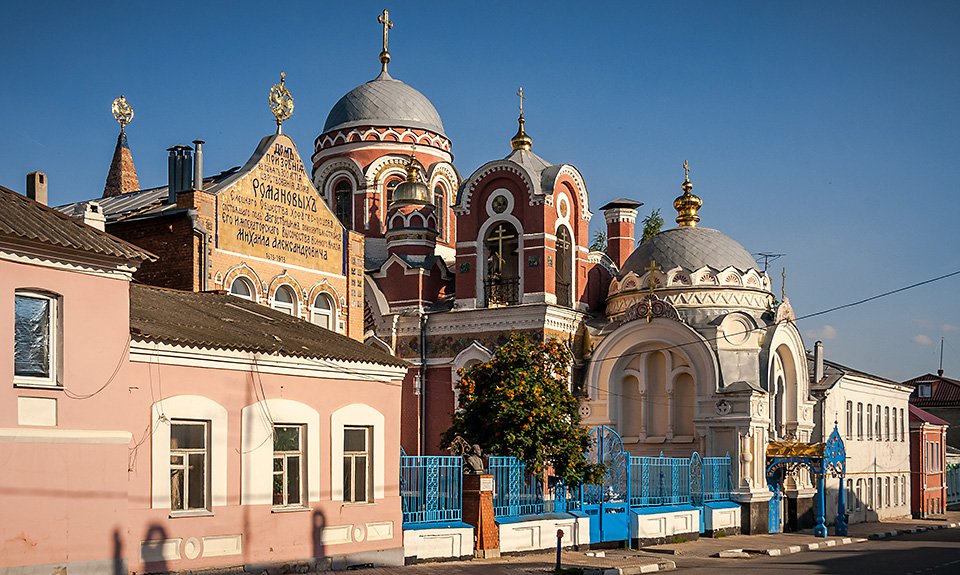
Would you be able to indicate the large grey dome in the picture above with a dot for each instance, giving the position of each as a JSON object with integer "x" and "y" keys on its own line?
{"x": 384, "y": 102}
{"x": 690, "y": 248}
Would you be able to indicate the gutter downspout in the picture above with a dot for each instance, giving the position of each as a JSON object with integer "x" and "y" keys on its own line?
{"x": 424, "y": 318}
{"x": 201, "y": 231}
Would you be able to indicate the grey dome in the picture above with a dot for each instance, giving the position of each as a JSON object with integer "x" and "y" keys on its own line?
{"x": 690, "y": 248}
{"x": 384, "y": 102}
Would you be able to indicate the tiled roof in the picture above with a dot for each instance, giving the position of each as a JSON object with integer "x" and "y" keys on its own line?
{"x": 222, "y": 321}
{"x": 690, "y": 249}
{"x": 945, "y": 392}
{"x": 27, "y": 220}
{"x": 917, "y": 414}
{"x": 386, "y": 102}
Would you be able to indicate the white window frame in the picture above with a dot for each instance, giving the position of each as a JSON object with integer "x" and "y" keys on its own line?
{"x": 924, "y": 390}
{"x": 358, "y": 415}
{"x": 869, "y": 421}
{"x": 350, "y": 463}
{"x": 244, "y": 280}
{"x": 896, "y": 490}
{"x": 330, "y": 314}
{"x": 285, "y": 470}
{"x": 184, "y": 466}
{"x": 292, "y": 308}
{"x": 849, "y": 420}
{"x": 860, "y": 420}
{"x": 54, "y": 344}
{"x": 188, "y": 407}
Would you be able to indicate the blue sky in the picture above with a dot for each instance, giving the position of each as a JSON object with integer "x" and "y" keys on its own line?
{"x": 826, "y": 131}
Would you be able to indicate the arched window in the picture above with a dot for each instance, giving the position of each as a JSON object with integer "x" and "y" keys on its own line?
{"x": 886, "y": 423}
{"x": 859, "y": 421}
{"x": 343, "y": 202}
{"x": 322, "y": 312}
{"x": 564, "y": 268}
{"x": 440, "y": 204}
{"x": 389, "y": 187}
{"x": 849, "y": 430}
{"x": 869, "y": 421}
{"x": 285, "y": 300}
{"x": 243, "y": 288}
{"x": 502, "y": 283}
{"x": 878, "y": 429}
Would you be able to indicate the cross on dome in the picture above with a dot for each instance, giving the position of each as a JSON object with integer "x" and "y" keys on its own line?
{"x": 385, "y": 54}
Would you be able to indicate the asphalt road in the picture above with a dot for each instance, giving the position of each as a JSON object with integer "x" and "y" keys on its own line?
{"x": 929, "y": 553}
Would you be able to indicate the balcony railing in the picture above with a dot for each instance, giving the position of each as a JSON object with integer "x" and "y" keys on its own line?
{"x": 501, "y": 292}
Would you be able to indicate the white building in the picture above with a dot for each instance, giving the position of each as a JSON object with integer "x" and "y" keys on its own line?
{"x": 871, "y": 414}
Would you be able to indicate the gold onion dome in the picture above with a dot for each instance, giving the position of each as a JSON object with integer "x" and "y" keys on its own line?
{"x": 521, "y": 141}
{"x": 687, "y": 204}
{"x": 412, "y": 190}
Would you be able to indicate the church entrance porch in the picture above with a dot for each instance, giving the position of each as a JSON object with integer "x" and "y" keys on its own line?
{"x": 786, "y": 461}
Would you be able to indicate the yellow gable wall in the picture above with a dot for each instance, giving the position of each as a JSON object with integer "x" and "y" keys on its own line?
{"x": 273, "y": 212}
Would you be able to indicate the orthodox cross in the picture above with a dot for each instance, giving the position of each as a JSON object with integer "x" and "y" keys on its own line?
{"x": 652, "y": 283}
{"x": 522, "y": 98}
{"x": 499, "y": 234}
{"x": 783, "y": 284}
{"x": 387, "y": 25}
{"x": 686, "y": 170}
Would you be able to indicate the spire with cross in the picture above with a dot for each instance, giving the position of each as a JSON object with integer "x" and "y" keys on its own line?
{"x": 384, "y": 19}
{"x": 521, "y": 141}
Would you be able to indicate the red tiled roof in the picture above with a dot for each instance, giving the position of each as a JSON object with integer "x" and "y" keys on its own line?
{"x": 945, "y": 392}
{"x": 917, "y": 414}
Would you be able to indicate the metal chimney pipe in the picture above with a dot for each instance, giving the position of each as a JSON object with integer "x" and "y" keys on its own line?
{"x": 172, "y": 162}
{"x": 198, "y": 164}
{"x": 817, "y": 362}
{"x": 186, "y": 168}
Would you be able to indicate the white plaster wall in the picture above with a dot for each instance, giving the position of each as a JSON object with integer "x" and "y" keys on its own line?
{"x": 257, "y": 422}
{"x": 447, "y": 543}
{"x": 721, "y": 518}
{"x": 656, "y": 525}
{"x": 542, "y": 534}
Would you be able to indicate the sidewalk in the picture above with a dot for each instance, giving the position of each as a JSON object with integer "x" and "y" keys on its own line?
{"x": 612, "y": 562}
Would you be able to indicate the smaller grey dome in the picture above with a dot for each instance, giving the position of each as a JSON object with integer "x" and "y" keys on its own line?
{"x": 690, "y": 248}
{"x": 384, "y": 102}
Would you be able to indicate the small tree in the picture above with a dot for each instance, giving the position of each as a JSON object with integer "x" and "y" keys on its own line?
{"x": 599, "y": 243}
{"x": 518, "y": 404}
{"x": 652, "y": 225}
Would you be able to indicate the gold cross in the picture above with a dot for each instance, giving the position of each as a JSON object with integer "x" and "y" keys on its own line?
{"x": 653, "y": 267}
{"x": 686, "y": 170}
{"x": 783, "y": 284}
{"x": 522, "y": 98}
{"x": 387, "y": 25}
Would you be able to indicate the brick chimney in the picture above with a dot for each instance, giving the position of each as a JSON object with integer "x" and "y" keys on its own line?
{"x": 621, "y": 217}
{"x": 37, "y": 187}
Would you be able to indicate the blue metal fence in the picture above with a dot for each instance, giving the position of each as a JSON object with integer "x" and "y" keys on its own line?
{"x": 431, "y": 488}
{"x": 515, "y": 491}
{"x": 953, "y": 484}
{"x": 659, "y": 481}
{"x": 716, "y": 478}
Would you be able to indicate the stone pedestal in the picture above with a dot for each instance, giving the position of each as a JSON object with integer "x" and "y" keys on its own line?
{"x": 478, "y": 512}
{"x": 754, "y": 516}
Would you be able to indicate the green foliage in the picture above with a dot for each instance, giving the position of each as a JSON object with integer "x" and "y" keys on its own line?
{"x": 599, "y": 243}
{"x": 652, "y": 225}
{"x": 518, "y": 404}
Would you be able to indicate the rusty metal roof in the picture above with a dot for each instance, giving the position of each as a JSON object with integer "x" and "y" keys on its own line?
{"x": 944, "y": 391}
{"x": 29, "y": 221}
{"x": 221, "y": 321}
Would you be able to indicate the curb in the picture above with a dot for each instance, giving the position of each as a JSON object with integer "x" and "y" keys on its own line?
{"x": 807, "y": 547}
{"x": 888, "y": 534}
{"x": 633, "y": 569}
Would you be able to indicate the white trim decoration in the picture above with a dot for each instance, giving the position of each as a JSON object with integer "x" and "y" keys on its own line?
{"x": 356, "y": 414}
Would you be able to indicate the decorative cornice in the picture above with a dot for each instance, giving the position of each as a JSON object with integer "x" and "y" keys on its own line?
{"x": 362, "y": 134}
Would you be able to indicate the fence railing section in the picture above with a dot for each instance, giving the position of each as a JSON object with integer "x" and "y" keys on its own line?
{"x": 716, "y": 478}
{"x": 658, "y": 481}
{"x": 431, "y": 488}
{"x": 515, "y": 491}
{"x": 953, "y": 484}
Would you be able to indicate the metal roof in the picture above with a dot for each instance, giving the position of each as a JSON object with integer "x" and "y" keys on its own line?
{"x": 917, "y": 414}
{"x": 26, "y": 219}
{"x": 944, "y": 391}
{"x": 690, "y": 249}
{"x": 222, "y": 321}
{"x": 384, "y": 102}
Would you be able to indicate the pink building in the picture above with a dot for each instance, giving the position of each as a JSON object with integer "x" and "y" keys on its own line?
{"x": 144, "y": 429}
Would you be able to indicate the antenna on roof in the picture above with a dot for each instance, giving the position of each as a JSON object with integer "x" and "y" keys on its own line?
{"x": 766, "y": 258}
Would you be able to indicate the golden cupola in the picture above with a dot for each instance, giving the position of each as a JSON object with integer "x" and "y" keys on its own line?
{"x": 687, "y": 204}
{"x": 521, "y": 141}
{"x": 411, "y": 190}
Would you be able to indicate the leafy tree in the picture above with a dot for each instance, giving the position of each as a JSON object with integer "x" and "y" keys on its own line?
{"x": 599, "y": 243}
{"x": 518, "y": 404}
{"x": 652, "y": 225}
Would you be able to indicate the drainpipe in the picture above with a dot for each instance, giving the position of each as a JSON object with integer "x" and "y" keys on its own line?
{"x": 424, "y": 318}
{"x": 201, "y": 232}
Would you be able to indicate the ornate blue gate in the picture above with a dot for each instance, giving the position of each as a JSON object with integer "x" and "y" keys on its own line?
{"x": 608, "y": 505}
